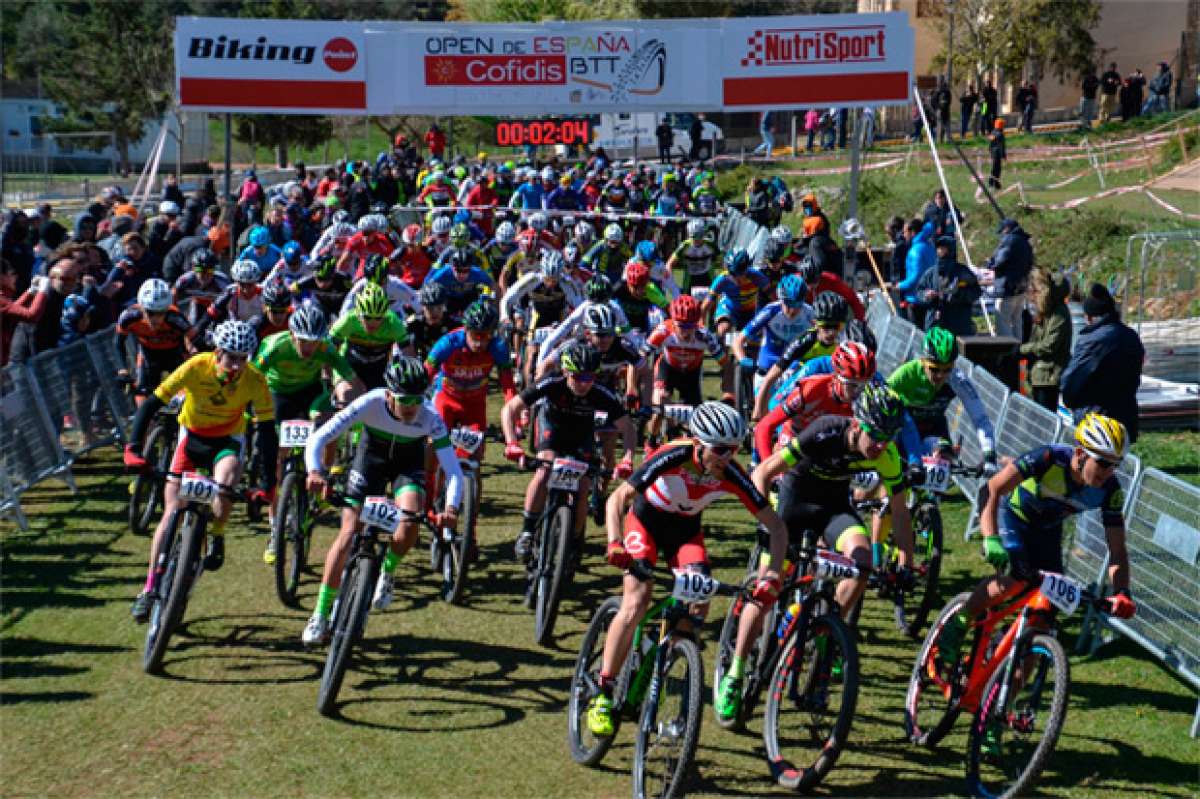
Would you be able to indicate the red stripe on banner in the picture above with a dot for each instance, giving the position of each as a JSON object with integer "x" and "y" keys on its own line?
{"x": 816, "y": 89}
{"x": 243, "y": 93}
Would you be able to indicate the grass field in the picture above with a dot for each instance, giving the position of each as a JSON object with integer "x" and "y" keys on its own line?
{"x": 442, "y": 699}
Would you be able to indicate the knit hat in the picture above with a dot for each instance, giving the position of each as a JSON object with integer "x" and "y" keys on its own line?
{"x": 1099, "y": 302}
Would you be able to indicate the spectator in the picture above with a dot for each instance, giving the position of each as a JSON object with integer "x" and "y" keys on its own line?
{"x": 15, "y": 247}
{"x": 360, "y": 196}
{"x": 42, "y": 333}
{"x": 989, "y": 110}
{"x": 171, "y": 191}
{"x": 1125, "y": 98}
{"x": 966, "y": 106}
{"x": 1106, "y": 368}
{"x": 1028, "y": 106}
{"x": 696, "y": 134}
{"x": 1137, "y": 87}
{"x": 1110, "y": 84}
{"x": 1012, "y": 262}
{"x": 435, "y": 140}
{"x": 895, "y": 233}
{"x": 16, "y": 309}
{"x": 758, "y": 201}
{"x": 843, "y": 119}
{"x": 940, "y": 100}
{"x": 251, "y": 194}
{"x": 1049, "y": 345}
{"x": 919, "y": 258}
{"x": 179, "y": 259}
{"x": 664, "y": 135}
{"x": 868, "y": 128}
{"x": 998, "y": 151}
{"x": 136, "y": 266}
{"x": 812, "y": 123}
{"x": 1087, "y": 99}
{"x": 765, "y": 128}
{"x": 828, "y": 126}
{"x": 947, "y": 292}
{"x": 85, "y": 228}
{"x": 938, "y": 211}
{"x": 1160, "y": 91}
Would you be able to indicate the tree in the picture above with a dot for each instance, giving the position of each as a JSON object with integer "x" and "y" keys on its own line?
{"x": 281, "y": 131}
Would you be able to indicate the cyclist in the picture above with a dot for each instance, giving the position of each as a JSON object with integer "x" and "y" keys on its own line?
{"x": 525, "y": 258}
{"x": 439, "y": 236}
{"x": 829, "y": 317}
{"x": 241, "y": 301}
{"x": 678, "y": 346}
{"x": 161, "y": 332}
{"x": 219, "y": 387}
{"x": 539, "y": 233}
{"x": 326, "y": 286}
{"x": 277, "y": 307}
{"x": 597, "y": 292}
{"x": 639, "y": 299}
{"x": 814, "y": 496}
{"x": 695, "y": 254}
{"x": 429, "y": 324}
{"x": 819, "y": 281}
{"x": 927, "y": 385}
{"x": 410, "y": 262}
{"x": 856, "y": 332}
{"x": 292, "y": 267}
{"x": 260, "y": 250}
{"x": 396, "y": 422}
{"x": 368, "y": 334}
{"x": 774, "y": 327}
{"x": 566, "y": 407}
{"x": 668, "y": 493}
{"x": 463, "y": 280}
{"x": 501, "y": 248}
{"x": 460, "y": 241}
{"x": 608, "y": 257}
{"x": 646, "y": 252}
{"x": 550, "y": 299}
{"x": 401, "y": 296}
{"x": 200, "y": 286}
{"x": 735, "y": 293}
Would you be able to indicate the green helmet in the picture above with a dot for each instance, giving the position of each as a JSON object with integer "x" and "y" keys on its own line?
{"x": 939, "y": 346}
{"x": 880, "y": 411}
{"x": 578, "y": 357}
{"x": 371, "y": 302}
{"x": 460, "y": 234}
{"x": 480, "y": 316}
{"x": 406, "y": 375}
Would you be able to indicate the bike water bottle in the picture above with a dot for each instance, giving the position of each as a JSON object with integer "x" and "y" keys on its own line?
{"x": 786, "y": 621}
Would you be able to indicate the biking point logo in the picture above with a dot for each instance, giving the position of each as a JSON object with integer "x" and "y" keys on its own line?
{"x": 339, "y": 54}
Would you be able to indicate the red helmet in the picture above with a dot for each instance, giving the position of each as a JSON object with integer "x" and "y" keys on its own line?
{"x": 685, "y": 309}
{"x": 853, "y": 361}
{"x": 637, "y": 273}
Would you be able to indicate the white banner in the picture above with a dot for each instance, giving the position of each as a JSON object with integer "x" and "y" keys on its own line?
{"x": 286, "y": 66}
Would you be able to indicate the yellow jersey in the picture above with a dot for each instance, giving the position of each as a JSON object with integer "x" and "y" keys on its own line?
{"x": 212, "y": 407}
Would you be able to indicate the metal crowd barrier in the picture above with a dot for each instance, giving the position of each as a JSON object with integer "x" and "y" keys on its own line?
{"x": 738, "y": 231}
{"x": 896, "y": 345}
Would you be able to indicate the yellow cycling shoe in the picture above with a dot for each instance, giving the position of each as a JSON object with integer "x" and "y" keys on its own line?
{"x": 599, "y": 716}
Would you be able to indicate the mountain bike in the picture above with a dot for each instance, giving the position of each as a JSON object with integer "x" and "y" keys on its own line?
{"x": 295, "y": 514}
{"x": 146, "y": 489}
{"x": 180, "y": 561}
{"x": 661, "y": 684}
{"x": 555, "y": 547}
{"x": 808, "y": 658}
{"x": 1014, "y": 681}
{"x": 451, "y": 551}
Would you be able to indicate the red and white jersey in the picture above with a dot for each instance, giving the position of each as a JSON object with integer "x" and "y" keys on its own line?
{"x": 684, "y": 354}
{"x": 672, "y": 480}
{"x": 812, "y": 398}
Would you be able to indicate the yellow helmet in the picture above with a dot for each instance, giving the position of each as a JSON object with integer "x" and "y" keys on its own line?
{"x": 1102, "y": 437}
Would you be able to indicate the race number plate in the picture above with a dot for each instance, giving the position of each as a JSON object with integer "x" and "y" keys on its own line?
{"x": 467, "y": 439}
{"x": 694, "y": 587}
{"x": 541, "y": 334}
{"x": 380, "y": 512}
{"x": 294, "y": 434}
{"x": 679, "y": 414}
{"x": 700, "y": 292}
{"x": 197, "y": 488}
{"x": 1063, "y": 592}
{"x": 566, "y": 473}
{"x": 601, "y": 418}
{"x": 937, "y": 474}
{"x": 832, "y": 566}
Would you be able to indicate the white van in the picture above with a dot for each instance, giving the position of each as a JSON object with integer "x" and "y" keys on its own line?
{"x": 616, "y": 134}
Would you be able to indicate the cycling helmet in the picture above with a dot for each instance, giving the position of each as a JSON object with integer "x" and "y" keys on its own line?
{"x": 685, "y": 310}
{"x": 552, "y": 264}
{"x": 480, "y": 316}
{"x": 737, "y": 261}
{"x": 939, "y": 345}
{"x": 341, "y": 217}
{"x": 168, "y": 208}
{"x": 245, "y": 271}
{"x": 371, "y": 302}
{"x": 325, "y": 267}
{"x": 406, "y": 376}
{"x": 1102, "y": 437}
{"x": 462, "y": 216}
{"x": 637, "y": 273}
{"x": 579, "y": 357}
{"x": 366, "y": 224}
{"x": 782, "y": 234}
{"x": 880, "y": 411}
{"x": 276, "y": 296}
{"x": 379, "y": 208}
{"x": 585, "y": 234}
{"x": 810, "y": 271}
{"x": 375, "y": 269}
{"x": 548, "y": 174}
{"x": 598, "y": 289}
{"x": 204, "y": 258}
{"x": 441, "y": 226}
{"x": 433, "y": 294}
{"x": 460, "y": 235}
{"x": 412, "y": 234}
{"x": 696, "y": 228}
{"x": 717, "y": 424}
{"x": 830, "y": 307}
{"x": 154, "y": 296}
{"x": 459, "y": 259}
{"x": 773, "y": 250}
{"x": 853, "y": 361}
{"x": 571, "y": 253}
{"x": 647, "y": 251}
{"x": 236, "y": 337}
{"x": 291, "y": 252}
{"x": 259, "y": 237}
{"x": 792, "y": 290}
{"x": 308, "y": 323}
{"x": 859, "y": 332}
{"x": 538, "y": 221}
{"x": 613, "y": 234}
{"x": 599, "y": 319}
{"x": 506, "y": 233}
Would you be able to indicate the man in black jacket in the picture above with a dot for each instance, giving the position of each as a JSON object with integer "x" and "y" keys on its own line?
{"x": 947, "y": 292}
{"x": 1106, "y": 367}
{"x": 1110, "y": 84}
{"x": 1012, "y": 262}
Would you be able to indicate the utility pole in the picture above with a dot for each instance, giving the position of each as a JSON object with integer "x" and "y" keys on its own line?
{"x": 950, "y": 48}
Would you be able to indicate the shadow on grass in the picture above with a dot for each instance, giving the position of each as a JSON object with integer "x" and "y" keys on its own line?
{"x": 1112, "y": 762}
{"x": 44, "y": 697}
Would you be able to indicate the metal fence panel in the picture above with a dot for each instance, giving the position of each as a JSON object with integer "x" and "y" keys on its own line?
{"x": 878, "y": 312}
{"x": 74, "y": 398}
{"x": 107, "y": 361}
{"x": 895, "y": 345}
{"x": 29, "y": 448}
{"x": 10, "y": 500}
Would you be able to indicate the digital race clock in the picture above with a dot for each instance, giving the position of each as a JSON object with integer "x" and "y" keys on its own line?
{"x": 519, "y": 132}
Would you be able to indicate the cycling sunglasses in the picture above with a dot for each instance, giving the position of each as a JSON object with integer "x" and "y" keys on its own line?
{"x": 722, "y": 450}
{"x": 1104, "y": 463}
{"x": 583, "y": 377}
{"x": 939, "y": 369}
{"x": 409, "y": 400}
{"x": 687, "y": 325}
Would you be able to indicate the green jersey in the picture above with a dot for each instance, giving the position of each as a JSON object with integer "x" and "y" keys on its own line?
{"x": 360, "y": 345}
{"x": 287, "y": 372}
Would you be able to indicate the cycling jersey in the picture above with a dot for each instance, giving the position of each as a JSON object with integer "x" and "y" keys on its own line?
{"x": 329, "y": 298}
{"x": 473, "y": 251}
{"x": 414, "y": 265}
{"x": 233, "y": 304}
{"x": 461, "y": 294}
{"x": 401, "y": 297}
{"x": 641, "y": 312}
{"x": 517, "y": 266}
{"x": 362, "y": 346}
{"x": 803, "y": 349}
{"x": 498, "y": 255}
{"x": 822, "y": 453}
{"x": 212, "y": 407}
{"x": 927, "y": 404}
{"x": 672, "y": 480}
{"x": 463, "y": 373}
{"x": 602, "y": 259}
{"x": 287, "y": 372}
{"x": 423, "y": 335}
{"x": 830, "y": 282}
{"x": 686, "y": 355}
{"x": 737, "y": 297}
{"x": 168, "y": 337}
{"x": 574, "y": 323}
{"x": 436, "y": 195}
{"x": 566, "y": 421}
{"x": 284, "y": 273}
{"x": 773, "y": 327}
{"x": 696, "y": 255}
{"x": 812, "y": 398}
{"x": 549, "y": 303}
{"x": 1048, "y": 495}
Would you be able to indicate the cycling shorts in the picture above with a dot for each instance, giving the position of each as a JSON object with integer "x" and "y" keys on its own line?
{"x": 378, "y": 463}
{"x": 680, "y": 538}
{"x": 151, "y": 366}
{"x": 370, "y": 372}
{"x": 562, "y": 439}
{"x": 459, "y": 411}
{"x": 728, "y": 310}
{"x": 831, "y": 517}
{"x": 202, "y": 453}
{"x": 1030, "y": 549}
{"x": 306, "y": 403}
{"x": 670, "y": 379}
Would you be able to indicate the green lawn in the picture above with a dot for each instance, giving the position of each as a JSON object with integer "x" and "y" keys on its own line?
{"x": 443, "y": 699}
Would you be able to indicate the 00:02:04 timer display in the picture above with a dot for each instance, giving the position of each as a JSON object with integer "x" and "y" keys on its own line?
{"x": 542, "y": 131}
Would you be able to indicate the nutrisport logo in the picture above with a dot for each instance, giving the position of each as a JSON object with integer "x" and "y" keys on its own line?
{"x": 804, "y": 46}
{"x": 339, "y": 54}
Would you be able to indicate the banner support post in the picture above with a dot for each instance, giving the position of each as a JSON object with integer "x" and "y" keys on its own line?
{"x": 228, "y": 156}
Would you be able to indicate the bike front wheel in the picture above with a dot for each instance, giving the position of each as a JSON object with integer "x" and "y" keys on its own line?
{"x": 669, "y": 728}
{"x": 454, "y": 555}
{"x": 552, "y": 572}
{"x": 174, "y": 587}
{"x": 146, "y": 490}
{"x": 1019, "y": 719}
{"x": 588, "y": 749}
{"x": 348, "y": 621}
{"x": 810, "y": 703}
{"x": 289, "y": 538}
{"x": 931, "y": 704}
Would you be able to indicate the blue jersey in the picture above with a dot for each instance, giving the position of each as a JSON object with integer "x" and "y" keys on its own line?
{"x": 461, "y": 294}
{"x": 773, "y": 327}
{"x": 266, "y": 262}
{"x": 529, "y": 196}
{"x": 463, "y": 373}
{"x": 1047, "y": 495}
{"x": 737, "y": 297}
